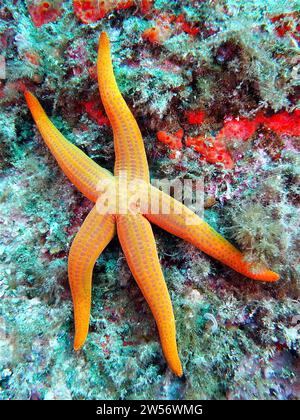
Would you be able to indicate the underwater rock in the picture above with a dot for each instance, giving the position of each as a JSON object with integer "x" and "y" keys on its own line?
{"x": 227, "y": 74}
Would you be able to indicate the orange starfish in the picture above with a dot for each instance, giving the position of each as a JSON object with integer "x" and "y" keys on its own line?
{"x": 133, "y": 226}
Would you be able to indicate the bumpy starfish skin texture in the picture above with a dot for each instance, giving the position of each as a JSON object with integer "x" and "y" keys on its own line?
{"x": 93, "y": 236}
{"x": 128, "y": 142}
{"x": 133, "y": 227}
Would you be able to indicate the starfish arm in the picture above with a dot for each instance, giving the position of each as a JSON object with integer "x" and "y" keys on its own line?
{"x": 138, "y": 243}
{"x": 82, "y": 171}
{"x": 184, "y": 223}
{"x": 129, "y": 146}
{"x": 94, "y": 235}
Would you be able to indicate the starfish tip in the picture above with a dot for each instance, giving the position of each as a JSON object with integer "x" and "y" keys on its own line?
{"x": 104, "y": 38}
{"x": 30, "y": 99}
{"x": 176, "y": 368}
{"x": 268, "y": 276}
{"x": 272, "y": 276}
{"x": 179, "y": 372}
{"x": 77, "y": 345}
{"x": 28, "y": 95}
